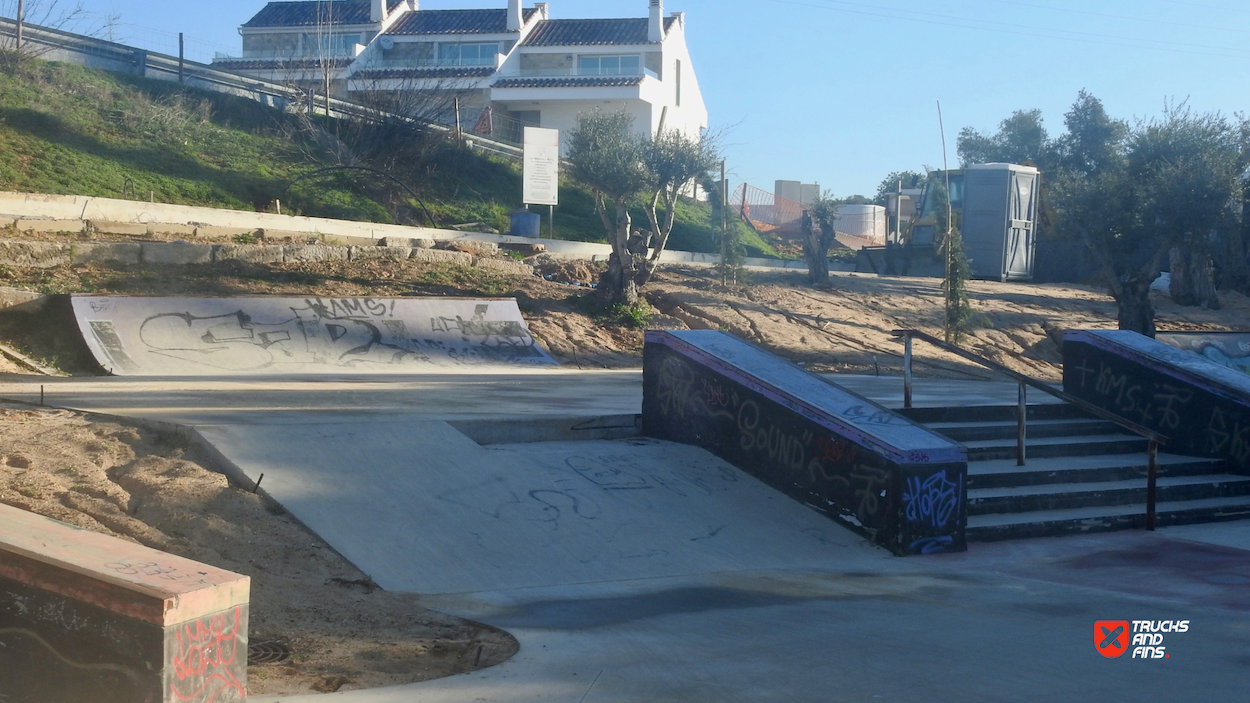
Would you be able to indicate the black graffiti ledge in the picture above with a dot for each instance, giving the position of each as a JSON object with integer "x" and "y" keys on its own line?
{"x": 865, "y": 466}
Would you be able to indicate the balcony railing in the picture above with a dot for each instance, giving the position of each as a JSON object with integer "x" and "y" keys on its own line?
{"x": 573, "y": 71}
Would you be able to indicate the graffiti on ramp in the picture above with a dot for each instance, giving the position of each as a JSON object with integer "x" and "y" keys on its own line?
{"x": 208, "y": 336}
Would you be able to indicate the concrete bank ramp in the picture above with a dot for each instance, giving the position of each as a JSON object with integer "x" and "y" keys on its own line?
{"x": 230, "y": 336}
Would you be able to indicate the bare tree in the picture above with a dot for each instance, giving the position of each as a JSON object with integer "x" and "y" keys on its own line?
{"x": 64, "y": 15}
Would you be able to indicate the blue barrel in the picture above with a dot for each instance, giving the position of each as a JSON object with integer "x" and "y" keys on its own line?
{"x": 525, "y": 223}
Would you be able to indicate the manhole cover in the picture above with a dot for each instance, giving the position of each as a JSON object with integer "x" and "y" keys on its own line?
{"x": 270, "y": 652}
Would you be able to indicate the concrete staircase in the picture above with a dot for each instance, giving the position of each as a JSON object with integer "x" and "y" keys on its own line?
{"x": 1083, "y": 474}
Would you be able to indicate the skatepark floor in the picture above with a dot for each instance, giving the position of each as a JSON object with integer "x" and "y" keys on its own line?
{"x": 637, "y": 570}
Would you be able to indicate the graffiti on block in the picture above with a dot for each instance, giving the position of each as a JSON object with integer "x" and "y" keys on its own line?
{"x": 933, "y": 501}
{"x": 209, "y": 657}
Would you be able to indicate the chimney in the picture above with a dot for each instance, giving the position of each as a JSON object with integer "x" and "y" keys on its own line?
{"x": 544, "y": 10}
{"x": 514, "y": 15}
{"x": 377, "y": 10}
{"x": 655, "y": 33}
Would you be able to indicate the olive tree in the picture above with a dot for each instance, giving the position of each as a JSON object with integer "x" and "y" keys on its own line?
{"x": 609, "y": 159}
{"x": 674, "y": 161}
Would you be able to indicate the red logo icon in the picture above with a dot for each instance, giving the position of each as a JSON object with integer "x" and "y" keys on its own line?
{"x": 1111, "y": 637}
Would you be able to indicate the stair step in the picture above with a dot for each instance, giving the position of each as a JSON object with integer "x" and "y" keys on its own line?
{"x": 1000, "y": 526}
{"x": 1006, "y": 429}
{"x": 999, "y": 473}
{"x": 1043, "y": 447}
{"x": 1022, "y": 499}
{"x": 994, "y": 413}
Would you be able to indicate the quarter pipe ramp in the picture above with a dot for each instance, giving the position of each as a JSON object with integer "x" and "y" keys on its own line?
{"x": 231, "y": 336}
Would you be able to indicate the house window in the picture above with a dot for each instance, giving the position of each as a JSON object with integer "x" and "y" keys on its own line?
{"x": 330, "y": 44}
{"x": 609, "y": 66}
{"x": 678, "y": 82}
{"x": 467, "y": 54}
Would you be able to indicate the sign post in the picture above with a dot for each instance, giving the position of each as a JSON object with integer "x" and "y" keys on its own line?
{"x": 542, "y": 167}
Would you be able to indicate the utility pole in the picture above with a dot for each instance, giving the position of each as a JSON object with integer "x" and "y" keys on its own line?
{"x": 21, "y": 17}
{"x": 950, "y": 214}
{"x": 182, "y": 75}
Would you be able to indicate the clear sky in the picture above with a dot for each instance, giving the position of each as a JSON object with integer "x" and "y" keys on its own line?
{"x": 842, "y": 93}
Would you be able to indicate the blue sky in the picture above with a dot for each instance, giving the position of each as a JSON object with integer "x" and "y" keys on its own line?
{"x": 842, "y": 93}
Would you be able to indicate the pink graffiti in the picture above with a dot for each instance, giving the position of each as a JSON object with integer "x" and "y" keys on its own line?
{"x": 207, "y": 649}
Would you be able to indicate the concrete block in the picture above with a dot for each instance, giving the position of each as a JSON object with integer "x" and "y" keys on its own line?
{"x": 44, "y": 255}
{"x": 133, "y": 229}
{"x": 177, "y": 253}
{"x": 314, "y": 252}
{"x": 278, "y": 235}
{"x": 176, "y": 629}
{"x": 345, "y": 241}
{"x": 211, "y": 232}
{"x": 106, "y": 252}
{"x": 10, "y": 297}
{"x": 395, "y": 242}
{"x": 251, "y": 253}
{"x": 440, "y": 256}
{"x": 170, "y": 228}
{"x": 7, "y": 222}
{"x": 394, "y": 253}
{"x": 471, "y": 246}
{"x": 424, "y": 243}
{"x": 505, "y": 266}
{"x": 49, "y": 226}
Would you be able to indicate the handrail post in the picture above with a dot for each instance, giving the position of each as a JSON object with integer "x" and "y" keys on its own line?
{"x": 906, "y": 369}
{"x": 1022, "y": 411}
{"x": 1152, "y": 477}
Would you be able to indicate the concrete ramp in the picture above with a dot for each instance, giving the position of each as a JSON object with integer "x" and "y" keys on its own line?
{"x": 231, "y": 336}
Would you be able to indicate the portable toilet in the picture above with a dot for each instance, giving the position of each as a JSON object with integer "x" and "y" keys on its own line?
{"x": 999, "y": 216}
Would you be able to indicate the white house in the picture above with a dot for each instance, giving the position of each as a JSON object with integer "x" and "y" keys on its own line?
{"x": 518, "y": 65}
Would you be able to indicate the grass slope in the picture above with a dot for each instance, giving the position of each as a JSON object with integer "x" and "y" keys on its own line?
{"x": 65, "y": 129}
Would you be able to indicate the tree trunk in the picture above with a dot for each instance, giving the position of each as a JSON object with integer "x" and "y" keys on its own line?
{"x": 816, "y": 253}
{"x": 617, "y": 285}
{"x": 1193, "y": 279}
{"x": 1132, "y": 297}
{"x": 1234, "y": 266}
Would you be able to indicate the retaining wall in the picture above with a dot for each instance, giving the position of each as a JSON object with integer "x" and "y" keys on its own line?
{"x": 866, "y": 467}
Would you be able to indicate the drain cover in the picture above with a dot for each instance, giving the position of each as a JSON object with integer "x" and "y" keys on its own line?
{"x": 270, "y": 652}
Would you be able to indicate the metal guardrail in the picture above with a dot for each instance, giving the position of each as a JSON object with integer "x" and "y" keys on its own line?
{"x": 210, "y": 78}
{"x": 1154, "y": 439}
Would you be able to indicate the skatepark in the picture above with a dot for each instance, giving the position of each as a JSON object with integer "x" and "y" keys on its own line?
{"x": 527, "y": 496}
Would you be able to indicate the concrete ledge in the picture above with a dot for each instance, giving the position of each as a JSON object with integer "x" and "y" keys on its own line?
{"x": 44, "y": 255}
{"x": 177, "y": 253}
{"x": 278, "y": 235}
{"x": 74, "y": 603}
{"x": 250, "y": 253}
{"x": 471, "y": 246}
{"x": 439, "y": 256}
{"x": 422, "y": 242}
{"x": 107, "y": 252}
{"x": 50, "y": 226}
{"x": 313, "y": 252}
{"x": 133, "y": 229}
{"x": 505, "y": 266}
{"x": 1202, "y": 407}
{"x": 393, "y": 253}
{"x": 867, "y": 468}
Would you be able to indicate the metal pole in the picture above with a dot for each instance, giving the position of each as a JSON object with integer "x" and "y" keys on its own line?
{"x": 458, "y": 132}
{"x": 1022, "y": 412}
{"x": 907, "y": 371}
{"x": 551, "y": 220}
{"x": 1152, "y": 477}
{"x": 182, "y": 58}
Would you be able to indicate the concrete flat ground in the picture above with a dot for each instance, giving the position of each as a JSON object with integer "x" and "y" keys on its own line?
{"x": 634, "y": 570}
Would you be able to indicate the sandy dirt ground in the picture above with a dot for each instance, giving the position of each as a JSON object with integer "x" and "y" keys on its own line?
{"x": 152, "y": 488}
{"x": 344, "y": 633}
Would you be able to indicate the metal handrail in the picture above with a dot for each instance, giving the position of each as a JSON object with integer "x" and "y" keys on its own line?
{"x": 1153, "y": 438}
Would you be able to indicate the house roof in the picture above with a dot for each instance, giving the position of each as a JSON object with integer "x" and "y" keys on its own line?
{"x": 445, "y": 72}
{"x": 597, "y": 32}
{"x": 456, "y": 22}
{"x": 236, "y": 64}
{"x": 571, "y": 82}
{"x": 310, "y": 13}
